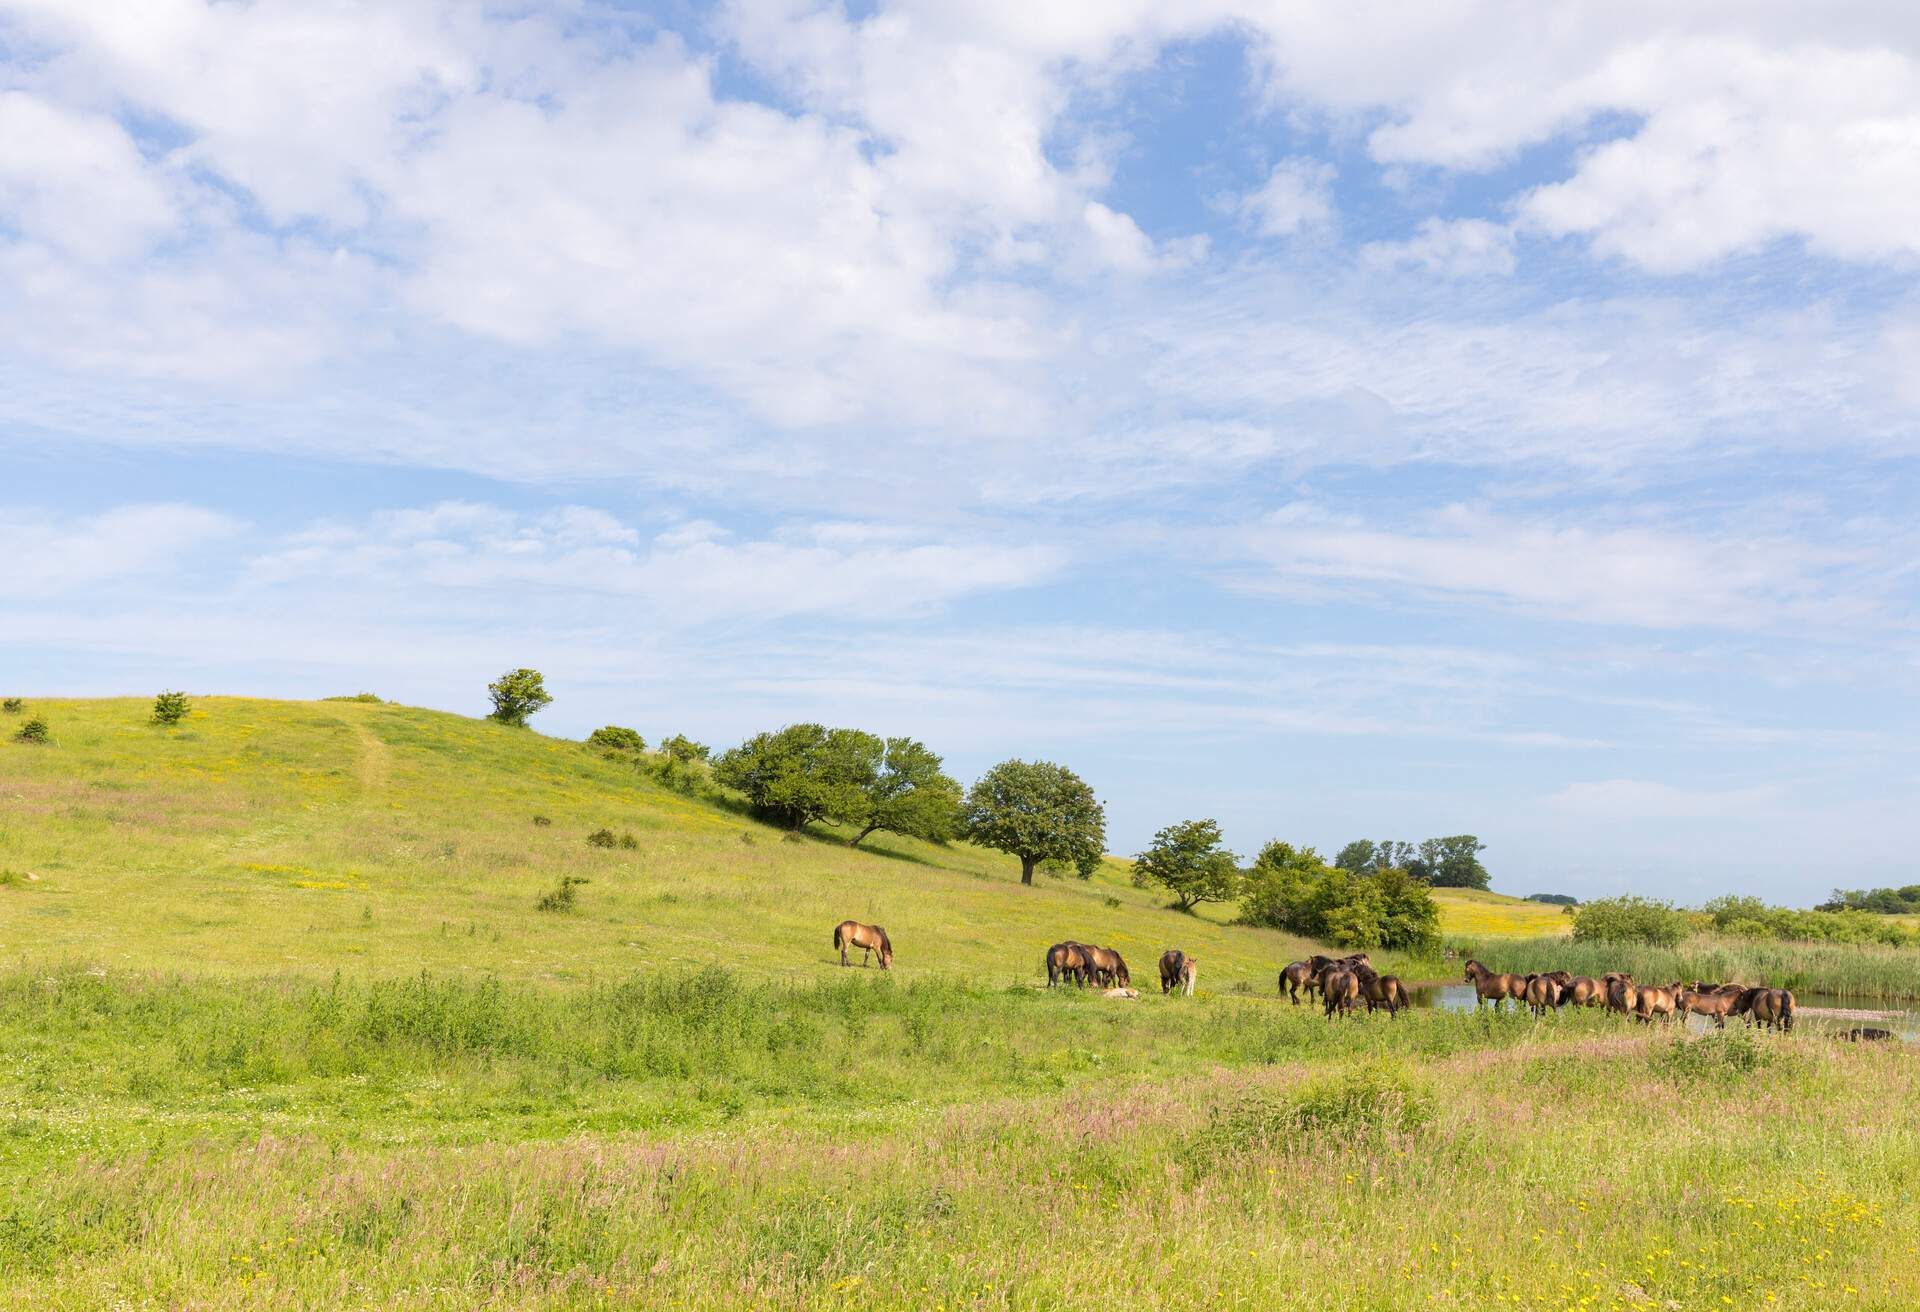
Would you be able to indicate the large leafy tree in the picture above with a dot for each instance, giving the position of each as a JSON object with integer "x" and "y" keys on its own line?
{"x": 1292, "y": 889}
{"x": 1450, "y": 862}
{"x": 1037, "y": 811}
{"x": 1189, "y": 861}
{"x": 516, "y": 695}
{"x": 910, "y": 795}
{"x": 803, "y": 772}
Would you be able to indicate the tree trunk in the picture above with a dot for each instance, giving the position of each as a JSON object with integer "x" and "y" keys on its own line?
{"x": 1027, "y": 863}
{"x": 863, "y": 833}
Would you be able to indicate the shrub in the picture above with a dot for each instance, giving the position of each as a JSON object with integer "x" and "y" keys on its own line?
{"x": 34, "y": 731}
{"x": 1719, "y": 1055}
{"x": 601, "y": 838}
{"x": 614, "y": 738}
{"x": 560, "y": 897}
{"x": 541, "y": 822}
{"x": 516, "y": 695}
{"x": 357, "y": 697}
{"x": 1554, "y": 899}
{"x": 1292, "y": 889}
{"x": 1630, "y": 919}
{"x": 682, "y": 763}
{"x": 13, "y": 706}
{"x": 169, "y": 708}
{"x": 1362, "y": 1107}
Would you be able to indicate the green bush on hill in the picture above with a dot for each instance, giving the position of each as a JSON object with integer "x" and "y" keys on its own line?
{"x": 169, "y": 708}
{"x": 617, "y": 739}
{"x": 1293, "y": 889}
{"x": 1631, "y": 919}
{"x": 34, "y": 731}
{"x": 1749, "y": 917}
{"x": 518, "y": 694}
{"x": 1881, "y": 901}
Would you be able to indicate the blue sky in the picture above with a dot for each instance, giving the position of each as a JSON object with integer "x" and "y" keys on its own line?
{"x": 1338, "y": 419}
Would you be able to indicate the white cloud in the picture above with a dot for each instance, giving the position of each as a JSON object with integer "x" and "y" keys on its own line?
{"x": 1296, "y": 196}
{"x": 1644, "y": 799}
{"x": 1450, "y": 248}
{"x": 47, "y": 556}
{"x": 1633, "y": 574}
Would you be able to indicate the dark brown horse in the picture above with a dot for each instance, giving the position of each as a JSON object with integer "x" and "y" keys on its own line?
{"x": 1620, "y": 995}
{"x": 1067, "y": 961}
{"x": 868, "y": 938}
{"x": 1381, "y": 990}
{"x": 1340, "y": 988}
{"x": 1296, "y": 978}
{"x": 1108, "y": 966}
{"x": 1772, "y": 1008}
{"x": 1489, "y": 986}
{"x": 1177, "y": 971}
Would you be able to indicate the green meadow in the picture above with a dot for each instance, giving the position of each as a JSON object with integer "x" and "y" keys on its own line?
{"x": 280, "y": 1027}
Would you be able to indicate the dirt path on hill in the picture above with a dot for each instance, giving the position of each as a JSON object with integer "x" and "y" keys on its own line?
{"x": 374, "y": 764}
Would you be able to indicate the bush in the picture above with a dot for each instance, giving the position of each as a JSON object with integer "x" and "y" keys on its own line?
{"x": 34, "y": 731}
{"x": 601, "y": 838}
{"x": 1719, "y": 1055}
{"x": 614, "y": 738}
{"x": 13, "y": 706}
{"x": 1292, "y": 889}
{"x": 1554, "y": 899}
{"x": 516, "y": 695}
{"x": 1749, "y": 917}
{"x": 542, "y": 822}
{"x": 1362, "y": 1107}
{"x": 1630, "y": 919}
{"x": 169, "y": 708}
{"x": 560, "y": 897}
{"x": 682, "y": 763}
{"x": 357, "y": 697}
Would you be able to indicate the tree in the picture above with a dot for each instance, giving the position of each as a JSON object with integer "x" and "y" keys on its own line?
{"x": 617, "y": 738}
{"x": 1293, "y": 889}
{"x": 1037, "y": 811}
{"x": 518, "y": 694}
{"x": 802, "y": 773}
{"x": 1188, "y": 861}
{"x": 680, "y": 761}
{"x": 910, "y": 795}
{"x": 1450, "y": 862}
{"x": 169, "y": 708}
{"x": 1359, "y": 856}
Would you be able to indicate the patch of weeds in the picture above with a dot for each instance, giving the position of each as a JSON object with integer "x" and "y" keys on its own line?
{"x": 1362, "y": 1106}
{"x": 601, "y": 838}
{"x": 13, "y": 706}
{"x": 1719, "y": 1056}
{"x": 561, "y": 897}
{"x": 542, "y": 822}
{"x": 1113, "y": 903}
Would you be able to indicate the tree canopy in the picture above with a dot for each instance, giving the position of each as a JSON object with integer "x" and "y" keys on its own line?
{"x": 1452, "y": 862}
{"x": 803, "y": 772}
{"x": 516, "y": 695}
{"x": 1037, "y": 811}
{"x": 909, "y": 795}
{"x": 1189, "y": 861}
{"x": 1291, "y": 888}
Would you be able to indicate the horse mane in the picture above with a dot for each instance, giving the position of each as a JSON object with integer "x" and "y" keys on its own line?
{"x": 886, "y": 944}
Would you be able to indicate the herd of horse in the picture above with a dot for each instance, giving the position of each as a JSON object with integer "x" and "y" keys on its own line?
{"x": 1343, "y": 983}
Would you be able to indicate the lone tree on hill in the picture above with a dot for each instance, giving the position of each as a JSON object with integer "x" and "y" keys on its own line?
{"x": 516, "y": 695}
{"x": 910, "y": 795}
{"x": 1037, "y": 811}
{"x": 1188, "y": 861}
{"x": 803, "y": 772}
{"x": 170, "y": 708}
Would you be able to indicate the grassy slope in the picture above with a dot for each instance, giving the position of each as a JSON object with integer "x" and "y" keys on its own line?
{"x": 267, "y": 836}
{"x": 1472, "y": 914}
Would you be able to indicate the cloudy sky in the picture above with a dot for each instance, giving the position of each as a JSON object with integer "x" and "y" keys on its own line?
{"x": 1340, "y": 418}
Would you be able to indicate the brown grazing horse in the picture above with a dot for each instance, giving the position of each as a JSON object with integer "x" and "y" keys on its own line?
{"x": 1712, "y": 1000}
{"x": 1177, "y": 971}
{"x": 1763, "y": 1006}
{"x": 868, "y": 938}
{"x": 1583, "y": 991}
{"x": 1541, "y": 993}
{"x": 1492, "y": 987}
{"x": 1381, "y": 990}
{"x": 1067, "y": 961}
{"x": 1108, "y": 966}
{"x": 1296, "y": 978}
{"x": 1340, "y": 987}
{"x": 1621, "y": 995}
{"x": 1657, "y": 1000}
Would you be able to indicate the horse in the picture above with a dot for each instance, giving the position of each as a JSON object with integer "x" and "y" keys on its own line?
{"x": 1177, "y": 971}
{"x": 1340, "y": 988}
{"x": 1108, "y": 966}
{"x": 1067, "y": 960}
{"x": 1541, "y": 993}
{"x": 1709, "y": 1000}
{"x": 1583, "y": 991}
{"x": 868, "y": 938}
{"x": 1772, "y": 1008}
{"x": 1381, "y": 990}
{"x": 1621, "y": 995}
{"x": 1492, "y": 987}
{"x": 1661, "y": 1000}
{"x": 1295, "y": 978}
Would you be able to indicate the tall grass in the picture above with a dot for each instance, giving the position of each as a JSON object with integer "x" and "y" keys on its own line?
{"x": 1867, "y": 973}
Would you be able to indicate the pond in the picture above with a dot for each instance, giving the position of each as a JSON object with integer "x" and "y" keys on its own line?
{"x": 1902, "y": 1018}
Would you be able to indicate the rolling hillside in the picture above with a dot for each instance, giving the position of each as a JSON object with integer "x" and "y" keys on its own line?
{"x": 305, "y": 837}
{"x": 1470, "y": 913}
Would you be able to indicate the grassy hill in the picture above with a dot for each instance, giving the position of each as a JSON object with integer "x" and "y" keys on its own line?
{"x": 273, "y": 837}
{"x": 1470, "y": 913}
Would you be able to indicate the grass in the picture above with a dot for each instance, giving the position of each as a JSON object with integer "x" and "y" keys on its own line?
{"x": 1846, "y": 970}
{"x": 1471, "y": 913}
{"x": 280, "y": 1027}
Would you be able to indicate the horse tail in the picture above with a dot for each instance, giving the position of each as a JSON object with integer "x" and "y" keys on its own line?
{"x": 837, "y": 931}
